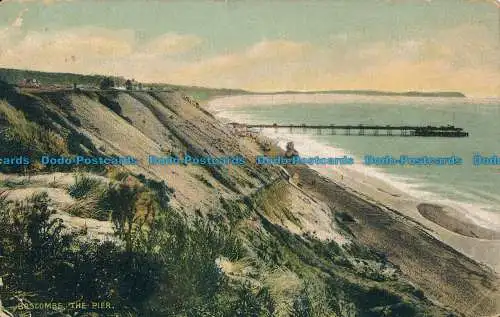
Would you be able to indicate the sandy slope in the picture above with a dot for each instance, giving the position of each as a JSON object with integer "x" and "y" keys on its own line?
{"x": 147, "y": 127}
{"x": 140, "y": 124}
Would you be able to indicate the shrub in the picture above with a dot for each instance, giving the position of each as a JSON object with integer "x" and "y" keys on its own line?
{"x": 107, "y": 83}
{"x": 86, "y": 208}
{"x": 20, "y": 133}
{"x": 83, "y": 186}
{"x": 21, "y": 137}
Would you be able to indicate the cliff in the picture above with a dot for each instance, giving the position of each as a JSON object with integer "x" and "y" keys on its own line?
{"x": 233, "y": 240}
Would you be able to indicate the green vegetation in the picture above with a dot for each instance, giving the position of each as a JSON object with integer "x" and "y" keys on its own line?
{"x": 11, "y": 184}
{"x": 32, "y": 127}
{"x": 234, "y": 210}
{"x": 124, "y": 198}
{"x": 331, "y": 286}
{"x": 272, "y": 202}
{"x": 203, "y": 180}
{"x": 14, "y": 76}
{"x": 162, "y": 263}
{"x": 169, "y": 271}
{"x": 20, "y": 132}
{"x": 23, "y": 137}
{"x": 107, "y": 83}
{"x": 91, "y": 197}
{"x": 84, "y": 185}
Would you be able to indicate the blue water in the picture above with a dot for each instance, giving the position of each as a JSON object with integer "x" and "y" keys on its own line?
{"x": 464, "y": 183}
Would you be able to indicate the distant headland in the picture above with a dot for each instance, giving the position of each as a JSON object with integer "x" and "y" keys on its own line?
{"x": 455, "y": 94}
{"x": 14, "y": 76}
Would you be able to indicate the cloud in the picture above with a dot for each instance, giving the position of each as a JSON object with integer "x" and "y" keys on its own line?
{"x": 171, "y": 43}
{"x": 91, "y": 50}
{"x": 264, "y": 59}
{"x": 463, "y": 58}
{"x": 51, "y": 50}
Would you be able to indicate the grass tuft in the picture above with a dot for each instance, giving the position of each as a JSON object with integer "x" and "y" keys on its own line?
{"x": 84, "y": 186}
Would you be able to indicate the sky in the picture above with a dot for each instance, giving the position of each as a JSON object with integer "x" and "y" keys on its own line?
{"x": 263, "y": 45}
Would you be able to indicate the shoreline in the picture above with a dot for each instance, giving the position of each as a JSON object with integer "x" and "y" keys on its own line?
{"x": 449, "y": 219}
{"x": 447, "y": 222}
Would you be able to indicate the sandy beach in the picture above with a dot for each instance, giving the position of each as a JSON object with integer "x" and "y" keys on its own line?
{"x": 471, "y": 232}
{"x": 453, "y": 227}
{"x": 451, "y": 219}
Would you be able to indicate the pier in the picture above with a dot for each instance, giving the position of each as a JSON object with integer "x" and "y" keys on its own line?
{"x": 362, "y": 130}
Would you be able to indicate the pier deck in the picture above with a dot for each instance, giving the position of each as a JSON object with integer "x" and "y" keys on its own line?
{"x": 364, "y": 130}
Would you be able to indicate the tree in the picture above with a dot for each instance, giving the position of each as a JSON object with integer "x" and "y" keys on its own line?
{"x": 128, "y": 84}
{"x": 42, "y": 261}
{"x": 33, "y": 243}
{"x": 107, "y": 83}
{"x": 122, "y": 199}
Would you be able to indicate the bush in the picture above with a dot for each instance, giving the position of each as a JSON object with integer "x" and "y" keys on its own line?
{"x": 30, "y": 239}
{"x": 20, "y": 133}
{"x": 171, "y": 271}
{"x": 21, "y": 137}
{"x": 84, "y": 185}
{"x": 107, "y": 83}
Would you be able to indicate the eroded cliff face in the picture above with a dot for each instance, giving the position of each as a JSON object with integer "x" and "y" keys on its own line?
{"x": 296, "y": 247}
{"x": 164, "y": 124}
{"x": 141, "y": 124}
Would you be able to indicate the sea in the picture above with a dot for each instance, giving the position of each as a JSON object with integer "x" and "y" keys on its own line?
{"x": 475, "y": 188}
